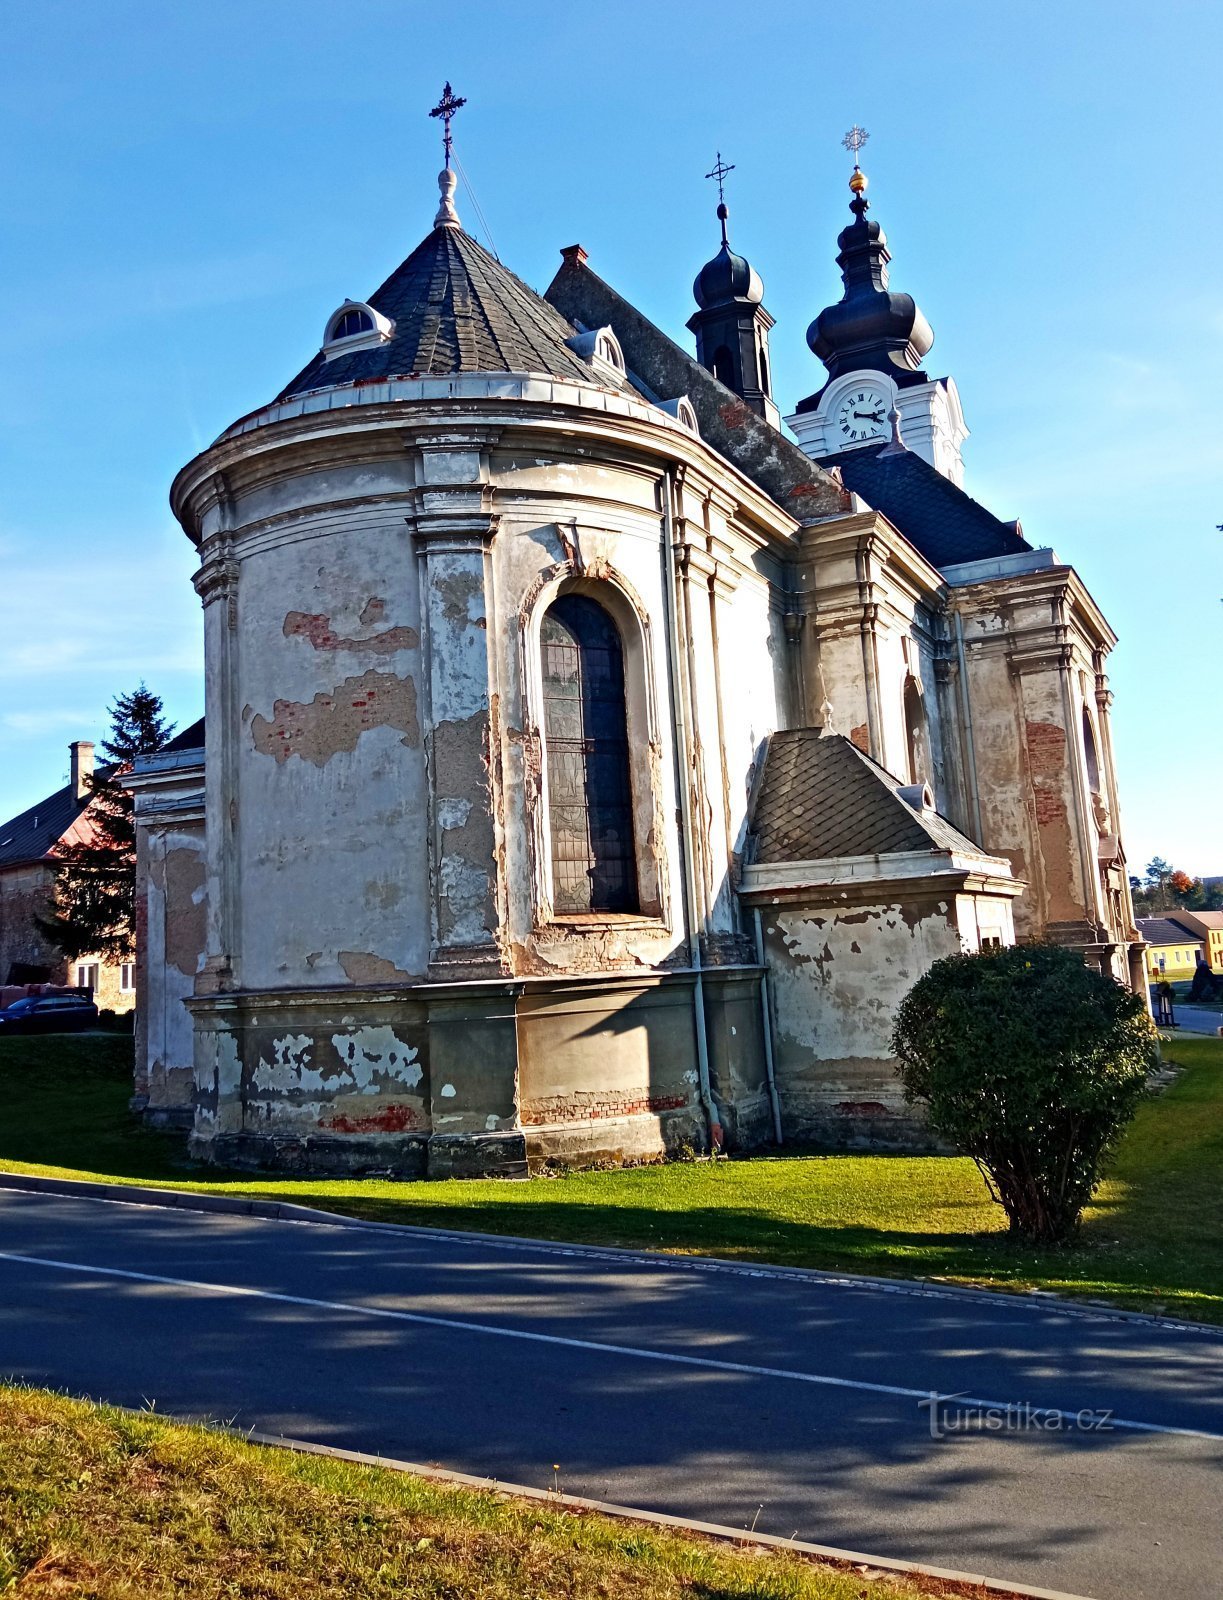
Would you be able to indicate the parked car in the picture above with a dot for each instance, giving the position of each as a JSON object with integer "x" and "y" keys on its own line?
{"x": 49, "y": 1013}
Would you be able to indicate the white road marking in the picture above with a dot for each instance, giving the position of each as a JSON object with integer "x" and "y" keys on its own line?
{"x": 633, "y": 1352}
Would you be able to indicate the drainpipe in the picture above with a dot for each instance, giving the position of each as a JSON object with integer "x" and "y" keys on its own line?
{"x": 766, "y": 1018}
{"x": 671, "y": 582}
{"x": 966, "y": 717}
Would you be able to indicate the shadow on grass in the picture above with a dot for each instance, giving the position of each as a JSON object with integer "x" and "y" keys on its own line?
{"x": 1153, "y": 1239}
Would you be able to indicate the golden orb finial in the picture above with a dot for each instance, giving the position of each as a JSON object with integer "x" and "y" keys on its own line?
{"x": 857, "y": 181}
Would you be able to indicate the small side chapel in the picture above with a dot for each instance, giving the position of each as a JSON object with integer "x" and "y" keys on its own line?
{"x": 589, "y": 768}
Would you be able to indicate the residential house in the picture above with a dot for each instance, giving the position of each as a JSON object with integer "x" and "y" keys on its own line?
{"x": 28, "y": 843}
{"x": 1172, "y": 950}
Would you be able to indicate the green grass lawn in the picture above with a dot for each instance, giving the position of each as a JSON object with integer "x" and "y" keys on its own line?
{"x": 1152, "y": 1241}
{"x": 98, "y": 1504}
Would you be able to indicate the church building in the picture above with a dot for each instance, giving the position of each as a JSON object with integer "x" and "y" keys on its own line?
{"x": 589, "y": 768}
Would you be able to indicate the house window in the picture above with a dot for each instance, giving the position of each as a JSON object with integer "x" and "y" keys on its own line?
{"x": 127, "y": 977}
{"x": 586, "y": 738}
{"x": 87, "y": 976}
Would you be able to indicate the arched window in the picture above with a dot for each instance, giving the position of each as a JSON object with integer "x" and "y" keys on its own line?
{"x": 915, "y": 732}
{"x": 352, "y": 322}
{"x": 724, "y": 366}
{"x": 764, "y": 373}
{"x": 586, "y": 736}
{"x": 1089, "y": 750}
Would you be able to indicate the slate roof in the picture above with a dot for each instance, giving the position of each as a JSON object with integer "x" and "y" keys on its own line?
{"x": 768, "y": 457}
{"x": 934, "y": 514}
{"x": 191, "y": 738}
{"x": 1163, "y": 930}
{"x": 31, "y": 835}
{"x": 455, "y": 309}
{"x": 820, "y": 797}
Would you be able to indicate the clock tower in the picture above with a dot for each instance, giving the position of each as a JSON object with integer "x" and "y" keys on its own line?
{"x": 873, "y": 342}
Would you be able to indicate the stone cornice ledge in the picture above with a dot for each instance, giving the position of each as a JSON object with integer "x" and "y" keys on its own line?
{"x": 905, "y": 871}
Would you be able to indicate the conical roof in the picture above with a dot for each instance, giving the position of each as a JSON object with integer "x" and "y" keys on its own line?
{"x": 455, "y": 309}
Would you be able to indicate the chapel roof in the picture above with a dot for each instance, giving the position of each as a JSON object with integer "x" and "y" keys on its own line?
{"x": 455, "y": 308}
{"x": 935, "y": 515}
{"x": 820, "y": 797}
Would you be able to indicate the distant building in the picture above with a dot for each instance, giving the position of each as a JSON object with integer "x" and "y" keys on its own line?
{"x": 1172, "y": 950}
{"x": 27, "y": 882}
{"x": 1208, "y": 927}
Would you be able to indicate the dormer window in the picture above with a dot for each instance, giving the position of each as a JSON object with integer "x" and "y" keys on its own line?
{"x": 601, "y": 348}
{"x": 355, "y": 326}
{"x": 682, "y": 410}
{"x": 353, "y": 322}
{"x": 608, "y": 348}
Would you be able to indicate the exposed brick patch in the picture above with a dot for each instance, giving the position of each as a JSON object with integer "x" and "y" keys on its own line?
{"x": 735, "y": 414}
{"x": 1046, "y": 744}
{"x": 581, "y": 1106}
{"x": 320, "y": 728}
{"x": 860, "y": 738}
{"x": 315, "y": 627}
{"x": 391, "y": 1119}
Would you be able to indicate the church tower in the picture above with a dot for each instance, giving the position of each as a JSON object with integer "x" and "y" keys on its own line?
{"x": 873, "y": 342}
{"x": 732, "y": 326}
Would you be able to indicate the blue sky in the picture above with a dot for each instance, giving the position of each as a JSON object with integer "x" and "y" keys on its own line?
{"x": 189, "y": 190}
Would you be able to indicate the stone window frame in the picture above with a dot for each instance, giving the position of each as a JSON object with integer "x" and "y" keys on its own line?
{"x": 915, "y": 719}
{"x": 379, "y": 332}
{"x": 615, "y": 594}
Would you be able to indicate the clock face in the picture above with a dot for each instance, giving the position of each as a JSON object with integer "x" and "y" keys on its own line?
{"x": 861, "y": 416}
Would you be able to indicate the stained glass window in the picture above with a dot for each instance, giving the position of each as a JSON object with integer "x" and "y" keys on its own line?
{"x": 585, "y": 728}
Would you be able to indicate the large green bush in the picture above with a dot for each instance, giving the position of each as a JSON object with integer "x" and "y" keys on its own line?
{"x": 1031, "y": 1063}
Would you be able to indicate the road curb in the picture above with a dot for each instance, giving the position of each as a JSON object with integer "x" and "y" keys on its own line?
{"x": 971, "y": 1581}
{"x": 284, "y": 1211}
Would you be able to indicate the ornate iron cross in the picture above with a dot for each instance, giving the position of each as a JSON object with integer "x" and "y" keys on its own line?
{"x": 446, "y": 108}
{"x": 854, "y": 140}
{"x": 720, "y": 169}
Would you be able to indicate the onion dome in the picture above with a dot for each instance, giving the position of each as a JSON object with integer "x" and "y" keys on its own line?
{"x": 727, "y": 277}
{"x": 870, "y": 326}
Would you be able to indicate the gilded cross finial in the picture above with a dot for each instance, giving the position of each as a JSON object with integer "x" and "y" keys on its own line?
{"x": 446, "y": 108}
{"x": 719, "y": 172}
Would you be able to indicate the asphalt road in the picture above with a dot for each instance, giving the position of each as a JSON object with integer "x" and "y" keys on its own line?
{"x": 729, "y": 1394}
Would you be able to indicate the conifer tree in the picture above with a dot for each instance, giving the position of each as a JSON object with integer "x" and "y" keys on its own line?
{"x": 95, "y": 880}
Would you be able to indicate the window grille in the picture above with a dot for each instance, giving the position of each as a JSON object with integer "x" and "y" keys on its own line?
{"x": 586, "y": 733}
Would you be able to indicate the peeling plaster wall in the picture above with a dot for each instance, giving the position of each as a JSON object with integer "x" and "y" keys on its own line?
{"x": 1029, "y": 653}
{"x": 172, "y": 889}
{"x": 329, "y": 787}
{"x": 836, "y": 976}
{"x": 609, "y": 1071}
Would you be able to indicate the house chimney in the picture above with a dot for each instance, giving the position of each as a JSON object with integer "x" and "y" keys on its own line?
{"x": 80, "y": 752}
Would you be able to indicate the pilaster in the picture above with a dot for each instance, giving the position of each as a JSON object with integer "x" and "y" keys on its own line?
{"x": 453, "y": 527}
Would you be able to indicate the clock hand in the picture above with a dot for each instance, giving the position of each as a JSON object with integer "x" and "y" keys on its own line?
{"x": 870, "y": 416}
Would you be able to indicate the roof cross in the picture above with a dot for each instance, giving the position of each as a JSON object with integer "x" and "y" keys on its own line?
{"x": 446, "y": 108}
{"x": 854, "y": 140}
{"x": 720, "y": 169}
